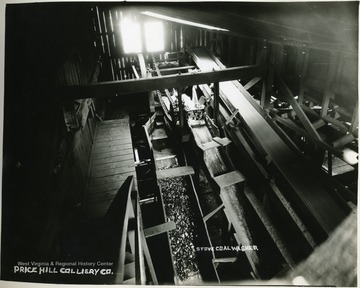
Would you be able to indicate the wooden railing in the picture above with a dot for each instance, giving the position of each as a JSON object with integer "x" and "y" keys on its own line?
{"x": 124, "y": 217}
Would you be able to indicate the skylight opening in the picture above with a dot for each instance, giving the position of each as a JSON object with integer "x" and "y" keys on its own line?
{"x": 154, "y": 36}
{"x": 181, "y": 21}
{"x": 131, "y": 36}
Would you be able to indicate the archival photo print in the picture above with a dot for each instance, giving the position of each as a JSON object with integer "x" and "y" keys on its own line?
{"x": 180, "y": 143}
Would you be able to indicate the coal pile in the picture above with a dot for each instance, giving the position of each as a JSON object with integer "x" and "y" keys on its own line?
{"x": 178, "y": 209}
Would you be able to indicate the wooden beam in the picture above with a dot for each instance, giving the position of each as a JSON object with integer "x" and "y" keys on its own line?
{"x": 253, "y": 259}
{"x": 290, "y": 124}
{"x": 336, "y": 123}
{"x": 212, "y": 213}
{"x": 222, "y": 141}
{"x": 326, "y": 101}
{"x": 268, "y": 81}
{"x": 300, "y": 131}
{"x": 252, "y": 82}
{"x": 329, "y": 163}
{"x": 216, "y": 103}
{"x": 142, "y": 65}
{"x": 112, "y": 88}
{"x": 327, "y": 119}
{"x": 209, "y": 145}
{"x": 135, "y": 72}
{"x": 265, "y": 219}
{"x": 343, "y": 140}
{"x": 175, "y": 172}
{"x": 263, "y": 93}
{"x": 297, "y": 108}
{"x": 175, "y": 69}
{"x": 232, "y": 116}
{"x": 294, "y": 216}
{"x": 303, "y": 74}
{"x": 148, "y": 259}
{"x": 355, "y": 118}
{"x": 319, "y": 123}
{"x": 181, "y": 108}
{"x": 139, "y": 256}
{"x": 229, "y": 179}
{"x": 159, "y": 229}
{"x": 118, "y": 215}
{"x": 225, "y": 260}
{"x": 328, "y": 94}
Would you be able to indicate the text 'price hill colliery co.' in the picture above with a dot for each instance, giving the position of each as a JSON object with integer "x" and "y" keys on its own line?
{"x": 64, "y": 268}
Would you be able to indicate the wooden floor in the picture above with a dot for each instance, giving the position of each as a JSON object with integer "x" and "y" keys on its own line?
{"x": 112, "y": 162}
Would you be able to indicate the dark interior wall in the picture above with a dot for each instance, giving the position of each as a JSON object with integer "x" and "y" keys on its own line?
{"x": 45, "y": 163}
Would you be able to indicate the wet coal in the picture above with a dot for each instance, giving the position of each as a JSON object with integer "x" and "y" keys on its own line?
{"x": 178, "y": 209}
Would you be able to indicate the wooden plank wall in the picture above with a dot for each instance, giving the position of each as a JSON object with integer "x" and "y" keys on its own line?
{"x": 78, "y": 69}
{"x": 71, "y": 150}
{"x": 108, "y": 41}
{"x": 45, "y": 166}
{"x": 117, "y": 64}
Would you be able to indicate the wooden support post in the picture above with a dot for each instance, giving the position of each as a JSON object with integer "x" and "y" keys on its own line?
{"x": 326, "y": 101}
{"x": 216, "y": 103}
{"x": 229, "y": 226}
{"x": 181, "y": 108}
{"x": 260, "y": 59}
{"x": 135, "y": 72}
{"x": 215, "y": 269}
{"x": 298, "y": 110}
{"x": 328, "y": 94}
{"x": 330, "y": 163}
{"x": 268, "y": 82}
{"x": 303, "y": 75}
{"x": 263, "y": 92}
{"x": 261, "y": 52}
{"x": 355, "y": 119}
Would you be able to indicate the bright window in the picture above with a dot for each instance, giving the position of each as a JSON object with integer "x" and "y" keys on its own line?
{"x": 154, "y": 36}
{"x": 131, "y": 36}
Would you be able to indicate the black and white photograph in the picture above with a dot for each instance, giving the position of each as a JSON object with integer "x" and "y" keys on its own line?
{"x": 180, "y": 143}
